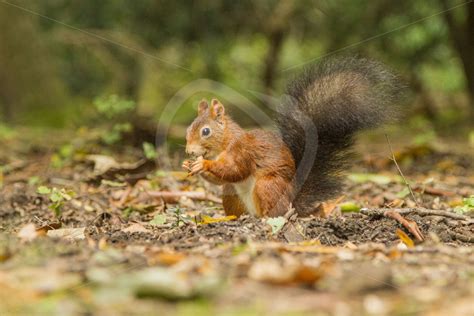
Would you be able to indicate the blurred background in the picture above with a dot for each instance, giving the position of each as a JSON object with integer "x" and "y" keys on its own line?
{"x": 77, "y": 64}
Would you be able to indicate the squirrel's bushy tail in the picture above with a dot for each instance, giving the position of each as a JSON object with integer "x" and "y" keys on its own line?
{"x": 338, "y": 97}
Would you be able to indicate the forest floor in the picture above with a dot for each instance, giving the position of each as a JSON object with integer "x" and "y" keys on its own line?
{"x": 85, "y": 234}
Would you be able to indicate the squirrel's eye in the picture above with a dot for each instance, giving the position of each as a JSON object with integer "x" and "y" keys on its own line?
{"x": 206, "y": 131}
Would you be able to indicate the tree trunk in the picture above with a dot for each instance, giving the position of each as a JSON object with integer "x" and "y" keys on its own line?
{"x": 469, "y": 66}
{"x": 272, "y": 59}
{"x": 276, "y": 30}
{"x": 462, "y": 35}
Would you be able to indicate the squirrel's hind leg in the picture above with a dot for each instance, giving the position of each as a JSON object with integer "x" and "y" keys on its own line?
{"x": 272, "y": 196}
{"x": 233, "y": 205}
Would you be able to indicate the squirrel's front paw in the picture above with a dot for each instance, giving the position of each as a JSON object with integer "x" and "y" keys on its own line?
{"x": 187, "y": 165}
{"x": 197, "y": 166}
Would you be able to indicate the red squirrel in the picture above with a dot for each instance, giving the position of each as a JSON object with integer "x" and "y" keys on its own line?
{"x": 258, "y": 169}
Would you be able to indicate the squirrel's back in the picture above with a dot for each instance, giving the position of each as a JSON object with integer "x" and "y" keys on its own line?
{"x": 327, "y": 105}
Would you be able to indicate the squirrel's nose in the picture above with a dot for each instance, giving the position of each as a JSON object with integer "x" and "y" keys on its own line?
{"x": 192, "y": 150}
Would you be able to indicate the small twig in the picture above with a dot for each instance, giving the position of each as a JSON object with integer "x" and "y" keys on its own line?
{"x": 400, "y": 170}
{"x": 175, "y": 195}
{"x": 47, "y": 226}
{"x": 434, "y": 191}
{"x": 412, "y": 226}
{"x": 421, "y": 212}
{"x": 440, "y": 213}
{"x": 464, "y": 238}
{"x": 291, "y": 211}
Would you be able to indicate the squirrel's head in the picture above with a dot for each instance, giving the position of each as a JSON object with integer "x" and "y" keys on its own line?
{"x": 205, "y": 136}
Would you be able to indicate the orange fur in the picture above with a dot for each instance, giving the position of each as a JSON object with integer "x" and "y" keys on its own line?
{"x": 231, "y": 202}
{"x": 234, "y": 157}
{"x": 272, "y": 196}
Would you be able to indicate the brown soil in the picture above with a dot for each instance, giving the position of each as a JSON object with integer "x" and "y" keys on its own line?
{"x": 347, "y": 264}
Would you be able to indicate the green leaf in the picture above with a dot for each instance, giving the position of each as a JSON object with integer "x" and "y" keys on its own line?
{"x": 425, "y": 138}
{"x": 34, "y": 180}
{"x": 66, "y": 151}
{"x": 56, "y": 195}
{"x": 349, "y": 207}
{"x": 56, "y": 161}
{"x": 376, "y": 178}
{"x": 468, "y": 205}
{"x": 469, "y": 202}
{"x": 161, "y": 173}
{"x": 111, "y": 137}
{"x": 403, "y": 193}
{"x": 276, "y": 223}
{"x": 127, "y": 212}
{"x": 67, "y": 195}
{"x": 43, "y": 190}
{"x": 149, "y": 150}
{"x": 159, "y": 219}
{"x": 56, "y": 208}
{"x": 461, "y": 209}
{"x": 6, "y": 132}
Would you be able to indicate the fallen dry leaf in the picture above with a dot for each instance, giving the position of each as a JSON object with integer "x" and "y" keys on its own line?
{"x": 136, "y": 228}
{"x": 276, "y": 223}
{"x": 351, "y": 245}
{"x": 395, "y": 203}
{"x": 67, "y": 233}
{"x": 102, "y": 163}
{"x": 326, "y": 208}
{"x": 394, "y": 253}
{"x": 287, "y": 272}
{"x": 294, "y": 232}
{"x": 29, "y": 232}
{"x": 41, "y": 280}
{"x": 405, "y": 238}
{"x": 165, "y": 258}
{"x": 210, "y": 220}
{"x": 108, "y": 167}
{"x": 50, "y": 226}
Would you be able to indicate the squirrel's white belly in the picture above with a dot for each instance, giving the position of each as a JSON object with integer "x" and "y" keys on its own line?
{"x": 244, "y": 190}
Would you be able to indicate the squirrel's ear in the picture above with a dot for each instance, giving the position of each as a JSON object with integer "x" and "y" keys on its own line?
{"x": 217, "y": 109}
{"x": 202, "y": 107}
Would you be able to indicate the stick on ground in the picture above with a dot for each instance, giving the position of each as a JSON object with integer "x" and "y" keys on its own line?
{"x": 400, "y": 170}
{"x": 422, "y": 212}
{"x": 175, "y": 195}
{"x": 410, "y": 225}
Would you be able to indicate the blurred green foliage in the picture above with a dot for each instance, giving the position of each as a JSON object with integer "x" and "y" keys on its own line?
{"x": 112, "y": 106}
{"x": 58, "y": 56}
{"x": 149, "y": 150}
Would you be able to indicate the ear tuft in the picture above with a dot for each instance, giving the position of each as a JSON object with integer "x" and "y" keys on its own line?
{"x": 218, "y": 110}
{"x": 203, "y": 106}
